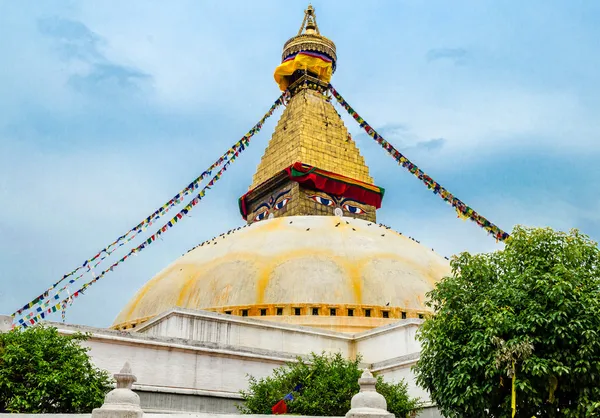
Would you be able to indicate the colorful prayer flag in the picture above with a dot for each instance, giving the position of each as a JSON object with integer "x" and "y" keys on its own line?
{"x": 279, "y": 408}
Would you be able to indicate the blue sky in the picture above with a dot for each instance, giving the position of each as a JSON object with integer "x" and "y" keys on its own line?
{"x": 109, "y": 108}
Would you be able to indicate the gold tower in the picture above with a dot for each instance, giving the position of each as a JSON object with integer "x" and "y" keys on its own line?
{"x": 339, "y": 271}
{"x": 310, "y": 132}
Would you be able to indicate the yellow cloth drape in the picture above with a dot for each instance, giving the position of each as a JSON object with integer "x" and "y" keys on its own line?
{"x": 316, "y": 65}
{"x": 513, "y": 397}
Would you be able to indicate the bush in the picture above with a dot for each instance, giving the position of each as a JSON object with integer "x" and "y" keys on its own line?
{"x": 328, "y": 383}
{"x": 530, "y": 313}
{"x": 43, "y": 372}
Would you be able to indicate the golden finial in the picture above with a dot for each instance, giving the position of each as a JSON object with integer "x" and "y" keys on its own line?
{"x": 309, "y": 38}
{"x": 309, "y": 22}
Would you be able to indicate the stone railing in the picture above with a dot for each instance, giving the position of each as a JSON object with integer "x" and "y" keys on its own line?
{"x": 122, "y": 402}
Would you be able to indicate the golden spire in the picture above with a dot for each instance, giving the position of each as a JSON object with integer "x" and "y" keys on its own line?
{"x": 310, "y": 138}
{"x": 309, "y": 22}
{"x": 309, "y": 39}
{"x": 310, "y": 130}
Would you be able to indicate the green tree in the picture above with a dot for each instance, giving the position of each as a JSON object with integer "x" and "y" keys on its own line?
{"x": 328, "y": 383}
{"x": 42, "y": 371}
{"x": 531, "y": 313}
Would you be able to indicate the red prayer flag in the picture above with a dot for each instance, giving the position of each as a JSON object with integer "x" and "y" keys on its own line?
{"x": 279, "y": 408}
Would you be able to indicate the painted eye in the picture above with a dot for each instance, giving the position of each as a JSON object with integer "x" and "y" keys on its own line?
{"x": 322, "y": 200}
{"x": 261, "y": 216}
{"x": 353, "y": 209}
{"x": 281, "y": 203}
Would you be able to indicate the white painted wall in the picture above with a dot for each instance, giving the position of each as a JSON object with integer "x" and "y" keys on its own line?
{"x": 233, "y": 331}
{"x": 209, "y": 354}
{"x": 179, "y": 366}
{"x": 388, "y": 342}
{"x": 405, "y": 372}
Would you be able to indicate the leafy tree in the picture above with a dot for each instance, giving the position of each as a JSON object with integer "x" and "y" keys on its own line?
{"x": 42, "y": 371}
{"x": 329, "y": 381}
{"x": 531, "y": 313}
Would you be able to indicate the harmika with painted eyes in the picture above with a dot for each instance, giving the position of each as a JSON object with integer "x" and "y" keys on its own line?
{"x": 339, "y": 203}
{"x": 275, "y": 203}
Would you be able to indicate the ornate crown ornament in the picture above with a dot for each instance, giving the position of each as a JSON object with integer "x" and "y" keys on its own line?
{"x": 310, "y": 40}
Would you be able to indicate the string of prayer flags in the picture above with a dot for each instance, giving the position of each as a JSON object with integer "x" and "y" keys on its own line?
{"x": 142, "y": 226}
{"x": 281, "y": 406}
{"x": 229, "y": 157}
{"x": 42, "y": 311}
{"x": 463, "y": 211}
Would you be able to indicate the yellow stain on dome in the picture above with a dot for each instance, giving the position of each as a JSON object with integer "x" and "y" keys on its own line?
{"x": 264, "y": 277}
{"x": 139, "y": 296}
{"x": 355, "y": 275}
{"x": 269, "y": 264}
{"x": 353, "y": 269}
{"x": 186, "y": 290}
{"x": 184, "y": 293}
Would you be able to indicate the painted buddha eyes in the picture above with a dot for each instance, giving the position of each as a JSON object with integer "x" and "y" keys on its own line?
{"x": 261, "y": 215}
{"x": 281, "y": 203}
{"x": 274, "y": 204}
{"x": 322, "y": 200}
{"x": 353, "y": 209}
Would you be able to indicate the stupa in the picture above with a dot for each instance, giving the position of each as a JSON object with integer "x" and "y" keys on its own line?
{"x": 312, "y": 252}
{"x": 311, "y": 271}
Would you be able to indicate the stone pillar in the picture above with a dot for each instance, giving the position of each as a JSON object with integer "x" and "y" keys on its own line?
{"x": 121, "y": 402}
{"x": 368, "y": 403}
{"x": 5, "y": 323}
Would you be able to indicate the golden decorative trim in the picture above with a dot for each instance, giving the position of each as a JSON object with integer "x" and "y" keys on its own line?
{"x": 129, "y": 325}
{"x": 310, "y": 40}
{"x": 305, "y": 42}
{"x": 306, "y": 309}
{"x": 308, "y": 81}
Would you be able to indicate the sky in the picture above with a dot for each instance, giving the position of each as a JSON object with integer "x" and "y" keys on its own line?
{"x": 107, "y": 109}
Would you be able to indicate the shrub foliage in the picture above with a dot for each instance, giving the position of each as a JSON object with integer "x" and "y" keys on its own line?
{"x": 328, "y": 383}
{"x": 44, "y": 372}
{"x": 531, "y": 310}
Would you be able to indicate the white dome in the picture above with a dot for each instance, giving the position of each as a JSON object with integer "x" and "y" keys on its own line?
{"x": 297, "y": 260}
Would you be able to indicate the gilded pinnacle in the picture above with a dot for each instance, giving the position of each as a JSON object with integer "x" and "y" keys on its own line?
{"x": 309, "y": 38}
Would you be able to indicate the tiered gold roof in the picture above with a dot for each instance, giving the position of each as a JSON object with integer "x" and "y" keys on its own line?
{"x": 311, "y": 131}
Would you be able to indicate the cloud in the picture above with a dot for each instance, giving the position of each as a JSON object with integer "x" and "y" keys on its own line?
{"x": 99, "y": 76}
{"x": 105, "y": 78}
{"x": 458, "y": 56}
{"x": 402, "y": 137}
{"x": 432, "y": 144}
{"x": 73, "y": 39}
